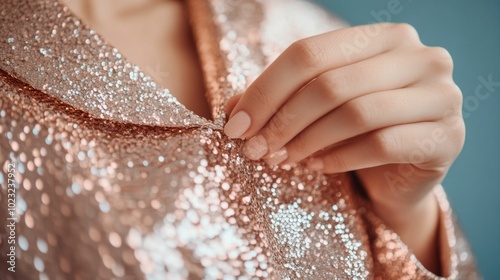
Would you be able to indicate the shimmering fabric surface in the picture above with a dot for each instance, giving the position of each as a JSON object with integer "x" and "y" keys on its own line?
{"x": 115, "y": 179}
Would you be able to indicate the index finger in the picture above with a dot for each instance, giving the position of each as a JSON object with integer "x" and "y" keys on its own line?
{"x": 303, "y": 61}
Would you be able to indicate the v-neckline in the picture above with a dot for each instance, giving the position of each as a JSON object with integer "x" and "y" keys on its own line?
{"x": 49, "y": 48}
{"x": 161, "y": 88}
{"x": 207, "y": 45}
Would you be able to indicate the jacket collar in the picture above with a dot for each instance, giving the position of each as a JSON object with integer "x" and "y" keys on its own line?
{"x": 49, "y": 48}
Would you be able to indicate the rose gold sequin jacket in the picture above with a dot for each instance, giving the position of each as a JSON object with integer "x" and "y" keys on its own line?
{"x": 115, "y": 179}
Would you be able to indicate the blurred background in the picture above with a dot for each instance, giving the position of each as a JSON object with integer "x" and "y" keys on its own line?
{"x": 471, "y": 33}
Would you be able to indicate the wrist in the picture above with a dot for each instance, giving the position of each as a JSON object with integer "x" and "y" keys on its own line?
{"x": 403, "y": 214}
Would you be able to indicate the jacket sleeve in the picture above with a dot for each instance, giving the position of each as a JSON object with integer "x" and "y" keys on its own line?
{"x": 392, "y": 259}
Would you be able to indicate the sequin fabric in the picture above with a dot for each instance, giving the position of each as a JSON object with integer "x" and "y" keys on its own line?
{"x": 115, "y": 179}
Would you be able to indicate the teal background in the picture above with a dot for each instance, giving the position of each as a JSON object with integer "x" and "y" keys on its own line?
{"x": 470, "y": 30}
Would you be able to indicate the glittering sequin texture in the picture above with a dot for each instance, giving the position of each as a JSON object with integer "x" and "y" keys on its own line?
{"x": 118, "y": 180}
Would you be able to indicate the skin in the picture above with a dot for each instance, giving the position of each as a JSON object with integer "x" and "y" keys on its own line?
{"x": 166, "y": 51}
{"x": 387, "y": 110}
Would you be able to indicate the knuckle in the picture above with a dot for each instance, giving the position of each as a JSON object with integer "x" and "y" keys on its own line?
{"x": 459, "y": 133}
{"x": 453, "y": 118}
{"x": 276, "y": 127}
{"x": 455, "y": 140}
{"x": 454, "y": 94}
{"x": 307, "y": 52}
{"x": 440, "y": 59}
{"x": 360, "y": 113}
{"x": 335, "y": 161}
{"x": 331, "y": 86}
{"x": 259, "y": 96}
{"x": 386, "y": 144}
{"x": 299, "y": 145}
{"x": 406, "y": 32}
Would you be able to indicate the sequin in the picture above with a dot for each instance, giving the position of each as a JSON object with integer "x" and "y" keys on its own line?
{"x": 118, "y": 180}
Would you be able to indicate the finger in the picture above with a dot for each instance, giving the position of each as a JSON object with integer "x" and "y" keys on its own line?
{"x": 333, "y": 88}
{"x": 232, "y": 102}
{"x": 303, "y": 61}
{"x": 417, "y": 144}
{"x": 367, "y": 113}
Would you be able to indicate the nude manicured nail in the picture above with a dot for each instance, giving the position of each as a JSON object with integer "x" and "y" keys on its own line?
{"x": 315, "y": 164}
{"x": 237, "y": 125}
{"x": 277, "y": 157}
{"x": 255, "y": 148}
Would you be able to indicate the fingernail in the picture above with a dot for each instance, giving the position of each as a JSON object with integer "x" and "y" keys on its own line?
{"x": 237, "y": 125}
{"x": 277, "y": 157}
{"x": 315, "y": 164}
{"x": 255, "y": 148}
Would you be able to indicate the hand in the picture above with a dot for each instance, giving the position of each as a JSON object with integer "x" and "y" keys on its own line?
{"x": 387, "y": 109}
